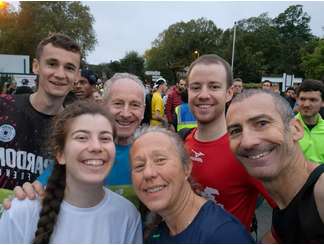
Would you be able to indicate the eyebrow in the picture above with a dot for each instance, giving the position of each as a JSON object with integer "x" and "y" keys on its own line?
{"x": 252, "y": 119}
{"x": 56, "y": 60}
{"x": 88, "y": 132}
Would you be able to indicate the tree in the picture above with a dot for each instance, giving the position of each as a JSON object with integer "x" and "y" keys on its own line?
{"x": 174, "y": 48}
{"x": 313, "y": 62}
{"x": 133, "y": 63}
{"x": 35, "y": 20}
{"x": 293, "y": 34}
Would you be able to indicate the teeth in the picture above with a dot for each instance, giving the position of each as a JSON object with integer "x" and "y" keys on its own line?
{"x": 154, "y": 189}
{"x": 259, "y": 155}
{"x": 124, "y": 123}
{"x": 94, "y": 162}
{"x": 204, "y": 106}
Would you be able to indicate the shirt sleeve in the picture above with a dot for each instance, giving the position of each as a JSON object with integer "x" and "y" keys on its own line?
{"x": 136, "y": 233}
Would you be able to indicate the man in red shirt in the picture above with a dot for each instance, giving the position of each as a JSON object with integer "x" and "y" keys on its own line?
{"x": 218, "y": 174}
{"x": 173, "y": 100}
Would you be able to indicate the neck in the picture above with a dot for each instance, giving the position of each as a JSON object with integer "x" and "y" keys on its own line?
{"x": 310, "y": 120}
{"x": 211, "y": 131}
{"x": 182, "y": 214}
{"x": 282, "y": 189}
{"x": 83, "y": 195}
{"x": 123, "y": 140}
{"x": 45, "y": 104}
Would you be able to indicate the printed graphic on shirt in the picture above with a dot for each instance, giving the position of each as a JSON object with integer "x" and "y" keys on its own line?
{"x": 7, "y": 133}
{"x": 197, "y": 156}
{"x": 210, "y": 193}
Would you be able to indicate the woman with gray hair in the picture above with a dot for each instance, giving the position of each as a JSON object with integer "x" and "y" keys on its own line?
{"x": 161, "y": 168}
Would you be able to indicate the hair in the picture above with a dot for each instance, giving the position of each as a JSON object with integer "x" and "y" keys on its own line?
{"x": 238, "y": 80}
{"x": 117, "y": 76}
{"x": 309, "y": 85}
{"x": 184, "y": 156}
{"x": 211, "y": 59}
{"x": 267, "y": 81}
{"x": 290, "y": 88}
{"x": 281, "y": 104}
{"x": 58, "y": 40}
{"x": 55, "y": 188}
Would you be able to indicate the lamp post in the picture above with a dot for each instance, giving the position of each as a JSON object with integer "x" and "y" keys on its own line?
{"x": 233, "y": 47}
{"x": 196, "y": 53}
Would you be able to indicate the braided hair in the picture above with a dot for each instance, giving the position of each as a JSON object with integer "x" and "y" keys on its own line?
{"x": 55, "y": 188}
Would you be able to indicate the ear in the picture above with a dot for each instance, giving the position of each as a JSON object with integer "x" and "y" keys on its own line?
{"x": 60, "y": 158}
{"x": 36, "y": 66}
{"x": 229, "y": 94}
{"x": 188, "y": 169}
{"x": 297, "y": 129}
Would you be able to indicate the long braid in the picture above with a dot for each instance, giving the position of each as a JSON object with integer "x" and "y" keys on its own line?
{"x": 51, "y": 204}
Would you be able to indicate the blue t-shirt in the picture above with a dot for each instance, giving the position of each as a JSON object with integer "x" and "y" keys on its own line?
{"x": 212, "y": 224}
{"x": 119, "y": 179}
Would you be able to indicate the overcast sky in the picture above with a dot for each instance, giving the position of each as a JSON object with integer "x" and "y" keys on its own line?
{"x": 132, "y": 26}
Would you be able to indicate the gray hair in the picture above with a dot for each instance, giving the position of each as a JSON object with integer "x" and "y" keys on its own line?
{"x": 117, "y": 76}
{"x": 281, "y": 104}
{"x": 180, "y": 148}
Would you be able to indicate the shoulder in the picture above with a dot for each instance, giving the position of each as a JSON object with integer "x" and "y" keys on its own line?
{"x": 220, "y": 226}
{"x": 23, "y": 209}
{"x": 121, "y": 204}
{"x": 319, "y": 196}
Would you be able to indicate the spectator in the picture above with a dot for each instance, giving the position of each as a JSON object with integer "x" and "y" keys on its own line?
{"x": 158, "y": 117}
{"x": 237, "y": 86}
{"x": 310, "y": 97}
{"x": 96, "y": 96}
{"x": 85, "y": 84}
{"x": 266, "y": 84}
{"x": 160, "y": 171}
{"x": 25, "y": 119}
{"x": 220, "y": 176}
{"x": 264, "y": 137}
{"x": 174, "y": 99}
{"x": 83, "y": 145}
{"x": 276, "y": 88}
{"x": 184, "y": 116}
{"x": 290, "y": 96}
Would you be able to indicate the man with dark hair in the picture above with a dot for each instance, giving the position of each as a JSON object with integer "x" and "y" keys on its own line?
{"x": 174, "y": 99}
{"x": 266, "y": 84}
{"x": 237, "y": 86}
{"x": 290, "y": 96}
{"x": 26, "y": 118}
{"x": 219, "y": 175}
{"x": 264, "y": 136}
{"x": 310, "y": 98}
{"x": 83, "y": 87}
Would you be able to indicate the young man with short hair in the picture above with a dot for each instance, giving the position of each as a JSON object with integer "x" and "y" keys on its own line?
{"x": 219, "y": 175}
{"x": 25, "y": 119}
{"x": 310, "y": 98}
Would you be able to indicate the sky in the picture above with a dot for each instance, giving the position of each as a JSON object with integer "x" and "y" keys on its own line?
{"x": 122, "y": 27}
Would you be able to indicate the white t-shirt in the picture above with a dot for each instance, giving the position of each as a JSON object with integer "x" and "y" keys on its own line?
{"x": 113, "y": 220}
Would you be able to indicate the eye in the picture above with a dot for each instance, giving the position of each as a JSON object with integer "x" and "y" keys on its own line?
{"x": 194, "y": 87}
{"x": 234, "y": 131}
{"x": 138, "y": 167}
{"x": 160, "y": 160}
{"x": 262, "y": 123}
{"x": 81, "y": 137}
{"x": 70, "y": 68}
{"x": 214, "y": 86}
{"x": 106, "y": 139}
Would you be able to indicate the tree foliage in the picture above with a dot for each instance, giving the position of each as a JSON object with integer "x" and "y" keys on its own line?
{"x": 313, "y": 62}
{"x": 174, "y": 48}
{"x": 35, "y": 20}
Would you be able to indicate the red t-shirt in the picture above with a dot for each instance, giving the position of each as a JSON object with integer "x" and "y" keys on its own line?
{"x": 222, "y": 178}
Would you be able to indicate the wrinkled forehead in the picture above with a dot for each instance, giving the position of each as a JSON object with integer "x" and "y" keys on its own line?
{"x": 126, "y": 87}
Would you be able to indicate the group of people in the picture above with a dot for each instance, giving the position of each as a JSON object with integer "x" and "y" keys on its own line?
{"x": 199, "y": 187}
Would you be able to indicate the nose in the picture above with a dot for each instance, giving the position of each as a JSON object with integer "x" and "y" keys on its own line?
{"x": 95, "y": 145}
{"x": 125, "y": 111}
{"x": 249, "y": 139}
{"x": 149, "y": 171}
{"x": 204, "y": 93}
{"x": 59, "y": 72}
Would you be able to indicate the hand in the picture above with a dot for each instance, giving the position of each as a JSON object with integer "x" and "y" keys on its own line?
{"x": 28, "y": 190}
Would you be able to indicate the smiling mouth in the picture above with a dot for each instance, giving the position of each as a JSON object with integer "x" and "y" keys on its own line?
{"x": 58, "y": 84}
{"x": 123, "y": 123}
{"x": 258, "y": 156}
{"x": 94, "y": 162}
{"x": 203, "y": 106}
{"x": 154, "y": 189}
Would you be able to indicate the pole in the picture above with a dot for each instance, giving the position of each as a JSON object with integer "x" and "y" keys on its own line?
{"x": 233, "y": 47}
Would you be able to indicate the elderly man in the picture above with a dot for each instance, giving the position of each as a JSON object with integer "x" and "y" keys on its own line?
{"x": 264, "y": 137}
